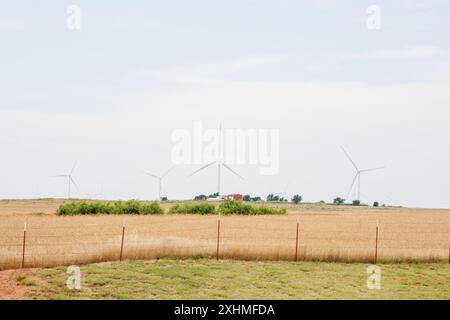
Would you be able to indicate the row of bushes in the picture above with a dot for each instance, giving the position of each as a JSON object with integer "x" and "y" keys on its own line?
{"x": 228, "y": 207}
{"x": 193, "y": 208}
{"x": 118, "y": 207}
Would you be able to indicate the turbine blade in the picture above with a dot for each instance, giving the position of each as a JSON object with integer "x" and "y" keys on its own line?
{"x": 73, "y": 181}
{"x": 349, "y": 158}
{"x": 353, "y": 183}
{"x": 204, "y": 167}
{"x": 59, "y": 176}
{"x": 151, "y": 175}
{"x": 167, "y": 172}
{"x": 373, "y": 169}
{"x": 226, "y": 166}
{"x": 73, "y": 168}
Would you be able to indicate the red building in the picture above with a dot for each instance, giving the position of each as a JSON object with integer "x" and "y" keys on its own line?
{"x": 237, "y": 197}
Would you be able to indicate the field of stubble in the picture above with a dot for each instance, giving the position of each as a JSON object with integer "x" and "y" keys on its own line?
{"x": 327, "y": 233}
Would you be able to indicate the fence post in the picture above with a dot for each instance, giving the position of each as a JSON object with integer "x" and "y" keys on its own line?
{"x": 121, "y": 246}
{"x": 296, "y": 243}
{"x": 449, "y": 254}
{"x": 23, "y": 244}
{"x": 218, "y": 239}
{"x": 376, "y": 245}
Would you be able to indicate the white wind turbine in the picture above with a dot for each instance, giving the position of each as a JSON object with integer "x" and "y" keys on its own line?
{"x": 220, "y": 163}
{"x": 283, "y": 193}
{"x": 358, "y": 175}
{"x": 69, "y": 178}
{"x": 160, "y": 179}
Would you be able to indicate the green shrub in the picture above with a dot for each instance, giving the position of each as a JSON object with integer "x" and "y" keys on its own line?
{"x": 83, "y": 208}
{"x": 127, "y": 207}
{"x": 356, "y": 203}
{"x": 261, "y": 210}
{"x": 119, "y": 207}
{"x": 231, "y": 207}
{"x": 193, "y": 208}
{"x": 297, "y": 199}
{"x": 151, "y": 208}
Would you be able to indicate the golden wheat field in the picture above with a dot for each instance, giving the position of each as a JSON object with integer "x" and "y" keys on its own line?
{"x": 328, "y": 233}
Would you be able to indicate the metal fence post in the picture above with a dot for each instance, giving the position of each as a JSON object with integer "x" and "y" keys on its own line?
{"x": 296, "y": 242}
{"x": 24, "y": 244}
{"x": 218, "y": 239}
{"x": 376, "y": 245}
{"x": 121, "y": 246}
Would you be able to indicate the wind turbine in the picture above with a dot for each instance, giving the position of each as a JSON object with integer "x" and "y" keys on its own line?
{"x": 358, "y": 175}
{"x": 69, "y": 177}
{"x": 283, "y": 193}
{"x": 160, "y": 179}
{"x": 220, "y": 163}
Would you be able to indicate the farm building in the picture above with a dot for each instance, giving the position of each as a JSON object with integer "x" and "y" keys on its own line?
{"x": 237, "y": 197}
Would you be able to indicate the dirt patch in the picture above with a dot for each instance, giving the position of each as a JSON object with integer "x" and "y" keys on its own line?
{"x": 11, "y": 288}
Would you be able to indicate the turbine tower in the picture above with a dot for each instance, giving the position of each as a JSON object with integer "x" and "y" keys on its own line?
{"x": 69, "y": 178}
{"x": 220, "y": 163}
{"x": 358, "y": 175}
{"x": 160, "y": 179}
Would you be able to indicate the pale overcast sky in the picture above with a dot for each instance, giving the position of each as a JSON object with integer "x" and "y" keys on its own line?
{"x": 111, "y": 94}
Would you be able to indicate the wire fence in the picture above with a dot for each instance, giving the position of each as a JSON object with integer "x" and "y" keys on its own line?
{"x": 247, "y": 239}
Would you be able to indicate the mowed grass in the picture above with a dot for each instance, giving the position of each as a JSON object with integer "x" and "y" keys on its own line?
{"x": 227, "y": 279}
